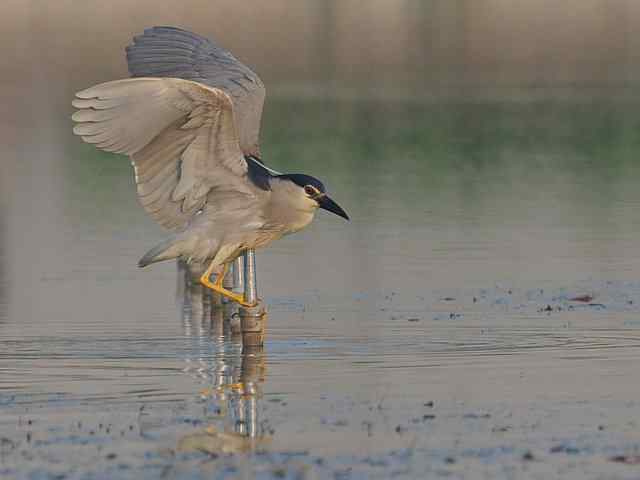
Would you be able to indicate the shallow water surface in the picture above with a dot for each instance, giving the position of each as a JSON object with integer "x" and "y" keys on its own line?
{"x": 479, "y": 317}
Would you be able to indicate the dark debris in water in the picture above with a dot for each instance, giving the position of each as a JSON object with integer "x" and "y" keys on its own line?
{"x": 400, "y": 429}
{"x": 582, "y": 298}
{"x": 626, "y": 459}
{"x": 477, "y": 415}
{"x": 567, "y": 449}
{"x": 448, "y": 316}
{"x": 501, "y": 429}
{"x": 6, "y": 444}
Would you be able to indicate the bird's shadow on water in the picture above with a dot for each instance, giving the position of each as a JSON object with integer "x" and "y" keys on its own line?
{"x": 232, "y": 375}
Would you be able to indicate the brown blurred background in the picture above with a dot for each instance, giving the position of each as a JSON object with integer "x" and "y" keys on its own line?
{"x": 385, "y": 47}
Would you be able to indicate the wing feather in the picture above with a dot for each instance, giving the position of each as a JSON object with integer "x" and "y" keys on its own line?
{"x": 180, "y": 135}
{"x": 173, "y": 52}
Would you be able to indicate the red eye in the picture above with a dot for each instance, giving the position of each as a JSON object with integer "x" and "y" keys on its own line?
{"x": 309, "y": 190}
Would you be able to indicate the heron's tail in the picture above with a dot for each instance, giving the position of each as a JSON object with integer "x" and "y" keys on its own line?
{"x": 166, "y": 250}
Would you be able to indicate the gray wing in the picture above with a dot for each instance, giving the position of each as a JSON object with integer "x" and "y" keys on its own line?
{"x": 181, "y": 137}
{"x": 177, "y": 53}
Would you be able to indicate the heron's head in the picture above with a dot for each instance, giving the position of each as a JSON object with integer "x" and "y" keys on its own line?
{"x": 310, "y": 194}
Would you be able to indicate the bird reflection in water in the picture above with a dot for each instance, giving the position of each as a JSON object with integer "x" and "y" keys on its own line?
{"x": 233, "y": 375}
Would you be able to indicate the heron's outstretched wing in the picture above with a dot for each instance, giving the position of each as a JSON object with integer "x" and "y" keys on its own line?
{"x": 181, "y": 136}
{"x": 173, "y": 52}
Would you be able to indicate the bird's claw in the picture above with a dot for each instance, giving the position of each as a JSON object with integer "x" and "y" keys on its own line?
{"x": 240, "y": 300}
{"x": 217, "y": 287}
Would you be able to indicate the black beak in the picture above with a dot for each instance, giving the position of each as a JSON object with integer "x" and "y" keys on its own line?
{"x": 331, "y": 206}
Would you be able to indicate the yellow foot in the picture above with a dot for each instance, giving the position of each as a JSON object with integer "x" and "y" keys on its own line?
{"x": 225, "y": 293}
{"x": 217, "y": 285}
{"x": 237, "y": 298}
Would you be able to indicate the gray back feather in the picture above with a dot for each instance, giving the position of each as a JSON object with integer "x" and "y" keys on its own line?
{"x": 173, "y": 52}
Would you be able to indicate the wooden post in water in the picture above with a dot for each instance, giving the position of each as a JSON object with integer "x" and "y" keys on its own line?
{"x": 252, "y": 319}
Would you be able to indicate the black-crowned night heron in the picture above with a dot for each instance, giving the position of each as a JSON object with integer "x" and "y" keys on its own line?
{"x": 190, "y": 121}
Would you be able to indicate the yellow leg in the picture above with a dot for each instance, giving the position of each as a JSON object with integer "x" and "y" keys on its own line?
{"x": 220, "y": 276}
{"x": 217, "y": 285}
